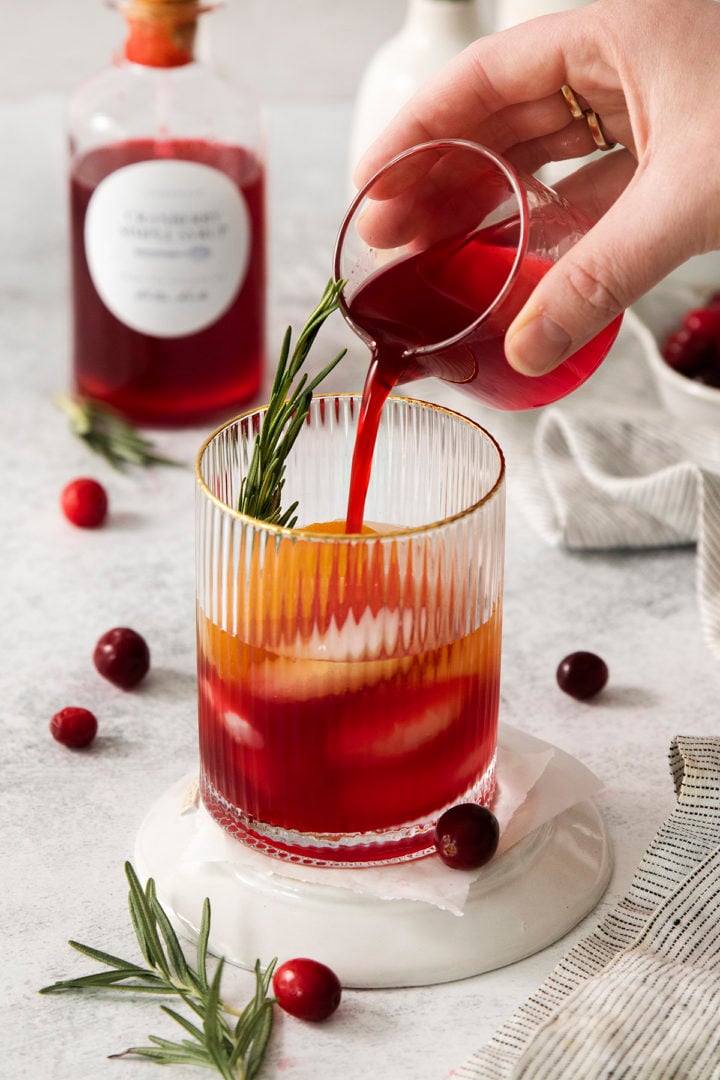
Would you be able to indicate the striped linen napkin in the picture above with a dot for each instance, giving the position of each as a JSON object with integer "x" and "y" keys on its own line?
{"x": 639, "y": 998}
{"x": 610, "y": 468}
{"x": 612, "y": 480}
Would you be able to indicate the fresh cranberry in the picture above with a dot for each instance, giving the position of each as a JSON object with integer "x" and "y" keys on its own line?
{"x": 467, "y": 836}
{"x": 84, "y": 502}
{"x": 582, "y": 675}
{"x": 688, "y": 351}
{"x": 704, "y": 320}
{"x": 73, "y": 727}
{"x": 307, "y": 989}
{"x": 122, "y": 656}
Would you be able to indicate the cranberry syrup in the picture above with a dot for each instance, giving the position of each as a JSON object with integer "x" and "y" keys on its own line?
{"x": 169, "y": 380}
{"x": 431, "y": 297}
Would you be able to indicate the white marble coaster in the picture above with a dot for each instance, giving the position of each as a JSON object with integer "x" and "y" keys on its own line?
{"x": 526, "y": 898}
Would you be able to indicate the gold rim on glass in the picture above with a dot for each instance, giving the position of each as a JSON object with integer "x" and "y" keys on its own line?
{"x": 281, "y": 530}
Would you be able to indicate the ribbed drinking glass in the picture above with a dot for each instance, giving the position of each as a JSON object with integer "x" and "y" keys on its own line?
{"x": 349, "y": 684}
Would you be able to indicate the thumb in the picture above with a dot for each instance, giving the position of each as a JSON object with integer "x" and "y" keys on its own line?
{"x": 632, "y": 247}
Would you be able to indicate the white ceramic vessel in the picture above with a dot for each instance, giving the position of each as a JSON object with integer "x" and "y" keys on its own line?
{"x": 434, "y": 31}
{"x": 661, "y": 312}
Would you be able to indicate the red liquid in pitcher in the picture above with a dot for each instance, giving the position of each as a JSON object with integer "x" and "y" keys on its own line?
{"x": 432, "y": 296}
{"x": 169, "y": 380}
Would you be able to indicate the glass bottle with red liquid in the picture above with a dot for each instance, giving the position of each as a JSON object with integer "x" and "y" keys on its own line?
{"x": 167, "y": 209}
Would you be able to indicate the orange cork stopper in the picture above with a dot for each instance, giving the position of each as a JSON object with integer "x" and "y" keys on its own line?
{"x": 161, "y": 32}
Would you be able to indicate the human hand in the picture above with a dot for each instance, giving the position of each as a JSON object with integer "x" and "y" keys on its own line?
{"x": 650, "y": 72}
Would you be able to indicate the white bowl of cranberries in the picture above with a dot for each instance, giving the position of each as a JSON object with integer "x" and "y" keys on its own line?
{"x": 683, "y": 350}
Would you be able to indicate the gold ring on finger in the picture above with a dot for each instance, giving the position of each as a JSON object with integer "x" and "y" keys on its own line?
{"x": 589, "y": 115}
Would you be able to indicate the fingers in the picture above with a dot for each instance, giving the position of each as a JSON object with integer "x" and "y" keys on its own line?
{"x": 432, "y": 194}
{"x": 635, "y": 244}
{"x": 530, "y": 120}
{"x": 572, "y": 141}
{"x": 512, "y": 133}
{"x": 594, "y": 188}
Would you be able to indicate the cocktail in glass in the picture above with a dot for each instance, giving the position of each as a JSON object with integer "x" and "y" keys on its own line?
{"x": 349, "y": 683}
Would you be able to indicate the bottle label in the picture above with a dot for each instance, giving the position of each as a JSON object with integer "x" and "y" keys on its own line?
{"x": 167, "y": 245}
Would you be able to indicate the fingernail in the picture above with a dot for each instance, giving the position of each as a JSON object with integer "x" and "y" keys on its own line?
{"x": 538, "y": 346}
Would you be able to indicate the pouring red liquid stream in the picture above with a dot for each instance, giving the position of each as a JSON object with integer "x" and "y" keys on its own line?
{"x": 434, "y": 296}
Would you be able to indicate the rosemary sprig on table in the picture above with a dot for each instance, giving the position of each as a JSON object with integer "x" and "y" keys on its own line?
{"x": 233, "y": 1049}
{"x": 107, "y": 434}
{"x": 287, "y": 410}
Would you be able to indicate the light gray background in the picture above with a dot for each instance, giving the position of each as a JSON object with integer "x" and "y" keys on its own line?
{"x": 285, "y": 49}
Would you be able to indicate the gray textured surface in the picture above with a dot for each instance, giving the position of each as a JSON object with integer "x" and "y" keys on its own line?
{"x": 280, "y": 48}
{"x": 69, "y": 820}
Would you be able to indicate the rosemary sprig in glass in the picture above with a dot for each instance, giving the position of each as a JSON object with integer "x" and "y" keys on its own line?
{"x": 107, "y": 434}
{"x": 287, "y": 410}
{"x": 234, "y": 1049}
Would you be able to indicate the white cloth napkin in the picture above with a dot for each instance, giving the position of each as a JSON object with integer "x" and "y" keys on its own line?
{"x": 609, "y": 467}
{"x": 639, "y": 997}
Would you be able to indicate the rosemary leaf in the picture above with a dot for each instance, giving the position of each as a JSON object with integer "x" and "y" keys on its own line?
{"x": 254, "y": 1031}
{"x": 184, "y": 1023}
{"x": 256, "y": 1052}
{"x": 145, "y": 925}
{"x": 202, "y": 944}
{"x": 288, "y": 407}
{"x": 104, "y": 978}
{"x": 210, "y": 1025}
{"x": 254, "y": 1025}
{"x": 103, "y": 957}
{"x": 235, "y": 1052}
{"x": 163, "y": 1056}
{"x": 107, "y": 434}
{"x": 197, "y": 1054}
{"x": 174, "y": 949}
{"x": 288, "y": 520}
